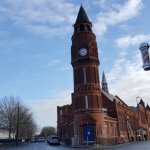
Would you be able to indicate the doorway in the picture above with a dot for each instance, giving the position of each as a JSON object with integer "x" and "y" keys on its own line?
{"x": 88, "y": 133}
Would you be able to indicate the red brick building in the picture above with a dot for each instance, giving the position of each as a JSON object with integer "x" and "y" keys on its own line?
{"x": 95, "y": 115}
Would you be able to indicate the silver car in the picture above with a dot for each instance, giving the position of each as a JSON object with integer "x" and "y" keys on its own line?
{"x": 53, "y": 139}
{"x": 41, "y": 139}
{"x": 32, "y": 140}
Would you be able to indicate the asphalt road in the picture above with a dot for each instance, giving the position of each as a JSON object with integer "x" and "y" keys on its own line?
{"x": 143, "y": 145}
{"x": 36, "y": 146}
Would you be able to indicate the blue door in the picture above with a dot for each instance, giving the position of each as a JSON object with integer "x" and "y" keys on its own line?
{"x": 88, "y": 132}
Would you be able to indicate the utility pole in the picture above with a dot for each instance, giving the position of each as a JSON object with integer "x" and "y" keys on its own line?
{"x": 17, "y": 126}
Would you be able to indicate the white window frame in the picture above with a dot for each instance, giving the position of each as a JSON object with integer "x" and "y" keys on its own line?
{"x": 60, "y": 112}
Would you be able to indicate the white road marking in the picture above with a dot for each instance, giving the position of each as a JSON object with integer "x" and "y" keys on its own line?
{"x": 36, "y": 146}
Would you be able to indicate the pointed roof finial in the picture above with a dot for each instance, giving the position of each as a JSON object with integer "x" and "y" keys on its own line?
{"x": 82, "y": 16}
{"x": 104, "y": 84}
{"x": 147, "y": 107}
{"x": 142, "y": 102}
{"x": 104, "y": 78}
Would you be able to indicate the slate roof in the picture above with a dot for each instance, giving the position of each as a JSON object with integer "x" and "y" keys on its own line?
{"x": 135, "y": 108}
{"x": 142, "y": 102}
{"x": 112, "y": 97}
{"x": 104, "y": 78}
{"x": 147, "y": 107}
{"x": 82, "y": 16}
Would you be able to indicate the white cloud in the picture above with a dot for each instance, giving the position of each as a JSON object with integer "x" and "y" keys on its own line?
{"x": 49, "y": 31}
{"x": 48, "y": 107}
{"x": 100, "y": 51}
{"x": 125, "y": 42}
{"x": 124, "y": 27}
{"x": 53, "y": 62}
{"x": 40, "y": 16}
{"x": 127, "y": 79}
{"x": 122, "y": 54}
{"x": 6, "y": 39}
{"x": 101, "y": 3}
{"x": 120, "y": 13}
{"x": 66, "y": 67}
{"x": 116, "y": 71}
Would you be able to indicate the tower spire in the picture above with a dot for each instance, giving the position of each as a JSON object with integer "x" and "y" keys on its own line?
{"x": 104, "y": 83}
{"x": 82, "y": 16}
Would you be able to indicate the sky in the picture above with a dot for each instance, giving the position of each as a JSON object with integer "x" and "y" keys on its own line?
{"x": 35, "y": 51}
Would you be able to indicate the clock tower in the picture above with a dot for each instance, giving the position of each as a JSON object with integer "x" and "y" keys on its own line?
{"x": 87, "y": 100}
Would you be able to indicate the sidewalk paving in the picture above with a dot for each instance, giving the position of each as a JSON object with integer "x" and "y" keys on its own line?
{"x": 97, "y": 146}
{"x": 12, "y": 146}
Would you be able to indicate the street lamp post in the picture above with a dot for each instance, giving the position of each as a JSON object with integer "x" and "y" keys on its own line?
{"x": 138, "y": 108}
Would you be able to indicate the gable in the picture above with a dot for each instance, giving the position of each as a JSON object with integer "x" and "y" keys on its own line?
{"x": 87, "y": 119}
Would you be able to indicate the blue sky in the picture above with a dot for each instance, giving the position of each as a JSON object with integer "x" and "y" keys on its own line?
{"x": 35, "y": 50}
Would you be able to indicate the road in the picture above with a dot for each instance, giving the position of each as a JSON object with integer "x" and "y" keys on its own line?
{"x": 38, "y": 146}
{"x": 143, "y": 145}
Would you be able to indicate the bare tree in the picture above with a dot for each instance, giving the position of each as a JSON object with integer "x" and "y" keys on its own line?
{"x": 16, "y": 117}
{"x": 47, "y": 131}
{"x": 7, "y": 113}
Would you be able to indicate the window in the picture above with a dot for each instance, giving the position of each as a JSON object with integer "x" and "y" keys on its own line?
{"x": 116, "y": 130}
{"x": 61, "y": 112}
{"x": 107, "y": 129}
{"x": 84, "y": 74}
{"x": 89, "y": 29}
{"x": 86, "y": 102}
{"x": 81, "y": 27}
{"x": 100, "y": 130}
{"x": 112, "y": 130}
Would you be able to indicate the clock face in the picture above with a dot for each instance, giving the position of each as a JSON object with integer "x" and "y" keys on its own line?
{"x": 83, "y": 51}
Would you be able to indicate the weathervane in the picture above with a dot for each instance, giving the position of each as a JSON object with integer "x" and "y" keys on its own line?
{"x": 144, "y": 47}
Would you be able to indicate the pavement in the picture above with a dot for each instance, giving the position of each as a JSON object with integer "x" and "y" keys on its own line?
{"x": 116, "y": 146}
{"x": 140, "y": 145}
{"x": 12, "y": 146}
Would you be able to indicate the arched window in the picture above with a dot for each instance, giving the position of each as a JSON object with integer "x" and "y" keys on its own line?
{"x": 86, "y": 101}
{"x": 100, "y": 130}
{"x": 82, "y": 27}
{"x": 89, "y": 29}
{"x": 84, "y": 74}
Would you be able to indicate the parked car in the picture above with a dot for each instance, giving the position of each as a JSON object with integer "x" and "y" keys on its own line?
{"x": 36, "y": 139}
{"x": 41, "y": 139}
{"x": 53, "y": 139}
{"x": 48, "y": 139}
{"x": 32, "y": 140}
